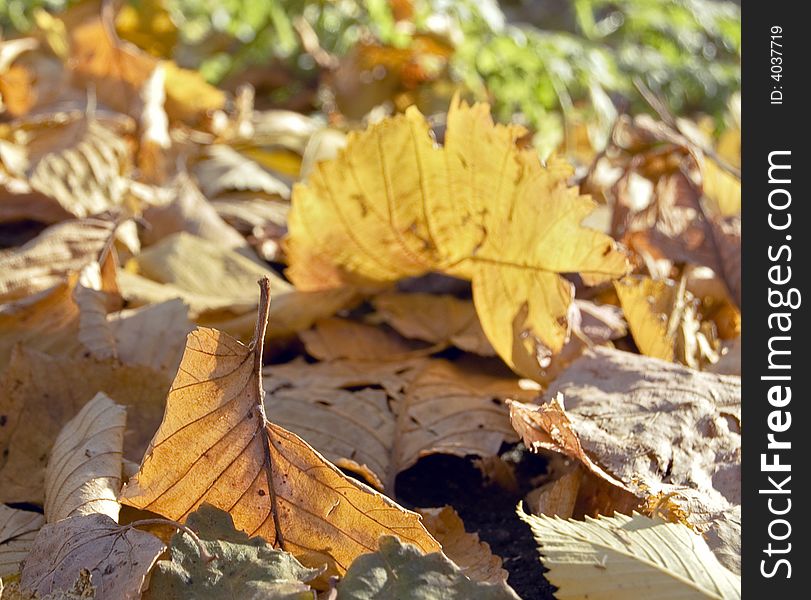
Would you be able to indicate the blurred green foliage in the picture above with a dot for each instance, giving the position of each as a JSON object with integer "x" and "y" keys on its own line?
{"x": 686, "y": 50}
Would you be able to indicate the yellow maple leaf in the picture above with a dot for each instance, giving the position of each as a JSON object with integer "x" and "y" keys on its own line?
{"x": 394, "y": 204}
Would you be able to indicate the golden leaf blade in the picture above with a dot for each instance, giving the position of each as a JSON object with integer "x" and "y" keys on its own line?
{"x": 215, "y": 445}
{"x": 482, "y": 207}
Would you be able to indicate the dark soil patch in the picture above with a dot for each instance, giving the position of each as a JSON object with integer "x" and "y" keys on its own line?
{"x": 488, "y": 510}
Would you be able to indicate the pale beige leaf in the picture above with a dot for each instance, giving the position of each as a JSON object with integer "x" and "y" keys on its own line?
{"x": 215, "y": 445}
{"x": 83, "y": 475}
{"x": 118, "y": 558}
{"x": 333, "y": 339}
{"x": 439, "y": 319}
{"x": 626, "y": 558}
{"x": 18, "y": 528}
{"x": 225, "y": 169}
{"x": 40, "y": 393}
{"x": 50, "y": 257}
{"x": 471, "y": 555}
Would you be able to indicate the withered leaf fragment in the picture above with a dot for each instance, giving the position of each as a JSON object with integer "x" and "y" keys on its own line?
{"x": 18, "y": 528}
{"x": 118, "y": 558}
{"x": 216, "y": 445}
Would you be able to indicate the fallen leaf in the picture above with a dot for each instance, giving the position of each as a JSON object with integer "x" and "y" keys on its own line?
{"x": 83, "y": 475}
{"x": 401, "y": 570}
{"x": 558, "y": 497}
{"x": 629, "y": 557}
{"x": 648, "y": 305}
{"x": 243, "y": 568}
{"x": 18, "y": 528}
{"x": 472, "y": 556}
{"x": 215, "y": 445}
{"x": 444, "y": 408}
{"x": 118, "y": 558}
{"x": 333, "y": 339}
{"x": 40, "y": 393}
{"x": 225, "y": 169}
{"x": 439, "y": 319}
{"x": 50, "y": 257}
{"x": 153, "y": 336}
{"x": 189, "y": 211}
{"x": 677, "y": 434}
{"x": 374, "y": 228}
{"x": 219, "y": 284}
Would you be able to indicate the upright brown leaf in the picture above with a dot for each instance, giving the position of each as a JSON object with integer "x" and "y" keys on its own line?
{"x": 216, "y": 445}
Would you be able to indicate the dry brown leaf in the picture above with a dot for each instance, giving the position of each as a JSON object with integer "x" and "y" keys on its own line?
{"x": 392, "y": 376}
{"x": 40, "y": 393}
{"x": 50, "y": 257}
{"x": 153, "y": 336}
{"x": 189, "y": 211}
{"x": 439, "y": 319}
{"x": 116, "y": 69}
{"x": 18, "y": 528}
{"x": 83, "y": 475}
{"x": 471, "y": 555}
{"x": 334, "y": 339}
{"x": 676, "y": 432}
{"x": 558, "y": 497}
{"x": 118, "y": 558}
{"x": 648, "y": 305}
{"x": 443, "y": 407}
{"x": 472, "y": 208}
{"x": 219, "y": 284}
{"x": 215, "y": 445}
{"x": 81, "y": 163}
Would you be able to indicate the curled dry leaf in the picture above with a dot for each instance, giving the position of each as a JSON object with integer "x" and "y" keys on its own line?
{"x": 373, "y": 228}
{"x": 40, "y": 393}
{"x": 18, "y": 528}
{"x": 50, "y": 257}
{"x": 622, "y": 557}
{"x": 83, "y": 475}
{"x": 677, "y": 435}
{"x": 401, "y": 570}
{"x": 444, "y": 408}
{"x": 439, "y": 319}
{"x": 215, "y": 445}
{"x": 118, "y": 558}
{"x": 472, "y": 556}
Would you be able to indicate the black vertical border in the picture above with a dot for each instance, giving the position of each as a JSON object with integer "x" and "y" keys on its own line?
{"x": 766, "y": 128}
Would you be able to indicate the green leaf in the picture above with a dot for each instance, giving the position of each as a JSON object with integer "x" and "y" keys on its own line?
{"x": 401, "y": 571}
{"x": 244, "y": 567}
